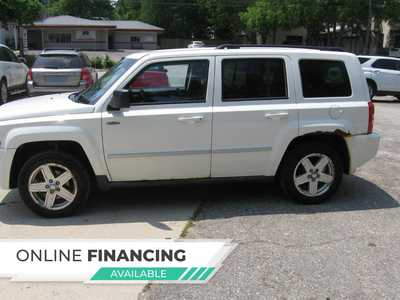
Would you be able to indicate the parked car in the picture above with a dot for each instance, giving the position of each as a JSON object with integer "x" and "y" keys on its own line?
{"x": 57, "y": 71}
{"x": 196, "y": 44}
{"x": 383, "y": 75}
{"x": 301, "y": 115}
{"x": 13, "y": 74}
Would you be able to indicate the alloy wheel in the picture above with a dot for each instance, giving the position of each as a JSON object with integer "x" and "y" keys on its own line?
{"x": 53, "y": 186}
{"x": 314, "y": 175}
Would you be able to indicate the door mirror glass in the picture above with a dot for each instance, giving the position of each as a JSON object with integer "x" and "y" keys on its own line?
{"x": 120, "y": 99}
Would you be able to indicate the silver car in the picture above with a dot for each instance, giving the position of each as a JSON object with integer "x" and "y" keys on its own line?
{"x": 57, "y": 71}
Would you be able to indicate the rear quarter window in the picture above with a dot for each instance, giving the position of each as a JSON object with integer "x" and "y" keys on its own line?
{"x": 58, "y": 61}
{"x": 324, "y": 78}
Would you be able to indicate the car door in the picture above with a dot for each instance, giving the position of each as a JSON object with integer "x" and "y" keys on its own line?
{"x": 254, "y": 115}
{"x": 387, "y": 74}
{"x": 166, "y": 132}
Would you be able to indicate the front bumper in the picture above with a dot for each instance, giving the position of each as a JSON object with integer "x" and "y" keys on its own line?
{"x": 362, "y": 148}
{"x": 6, "y": 158}
{"x": 34, "y": 89}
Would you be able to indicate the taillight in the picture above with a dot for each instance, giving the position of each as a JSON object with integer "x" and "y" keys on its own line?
{"x": 30, "y": 77}
{"x": 86, "y": 76}
{"x": 371, "y": 114}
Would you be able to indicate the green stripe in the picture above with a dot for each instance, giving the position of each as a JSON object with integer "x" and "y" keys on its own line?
{"x": 207, "y": 273}
{"x": 188, "y": 274}
{"x": 139, "y": 274}
{"x": 197, "y": 275}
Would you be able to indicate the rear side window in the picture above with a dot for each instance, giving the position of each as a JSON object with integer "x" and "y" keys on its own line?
{"x": 253, "y": 79}
{"x": 363, "y": 59}
{"x": 324, "y": 78}
{"x": 388, "y": 64}
{"x": 58, "y": 61}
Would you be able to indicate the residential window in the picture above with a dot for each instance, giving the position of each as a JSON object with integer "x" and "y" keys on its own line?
{"x": 324, "y": 78}
{"x": 59, "y": 38}
{"x": 253, "y": 79}
{"x": 171, "y": 82}
{"x": 387, "y": 64}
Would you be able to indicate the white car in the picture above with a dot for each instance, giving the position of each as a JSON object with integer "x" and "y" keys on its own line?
{"x": 13, "y": 74}
{"x": 383, "y": 75}
{"x": 301, "y": 115}
{"x": 196, "y": 44}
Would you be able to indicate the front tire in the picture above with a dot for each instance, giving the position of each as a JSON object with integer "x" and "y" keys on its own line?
{"x": 54, "y": 184}
{"x": 311, "y": 173}
{"x": 371, "y": 89}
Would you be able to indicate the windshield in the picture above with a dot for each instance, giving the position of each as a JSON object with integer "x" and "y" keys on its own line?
{"x": 94, "y": 93}
{"x": 57, "y": 61}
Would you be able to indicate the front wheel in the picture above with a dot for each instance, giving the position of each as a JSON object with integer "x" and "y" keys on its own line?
{"x": 371, "y": 90}
{"x": 311, "y": 173}
{"x": 54, "y": 184}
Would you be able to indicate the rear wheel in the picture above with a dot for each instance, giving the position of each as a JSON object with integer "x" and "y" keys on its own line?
{"x": 3, "y": 92}
{"x": 371, "y": 89}
{"x": 311, "y": 173}
{"x": 54, "y": 184}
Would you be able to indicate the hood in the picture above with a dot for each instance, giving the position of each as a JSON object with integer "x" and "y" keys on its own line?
{"x": 43, "y": 106}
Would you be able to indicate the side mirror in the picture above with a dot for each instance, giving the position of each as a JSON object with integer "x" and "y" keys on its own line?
{"x": 22, "y": 59}
{"x": 121, "y": 99}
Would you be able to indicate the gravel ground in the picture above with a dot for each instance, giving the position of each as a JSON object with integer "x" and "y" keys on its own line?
{"x": 348, "y": 248}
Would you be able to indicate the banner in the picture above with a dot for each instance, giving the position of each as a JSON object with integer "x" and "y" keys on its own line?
{"x": 113, "y": 261}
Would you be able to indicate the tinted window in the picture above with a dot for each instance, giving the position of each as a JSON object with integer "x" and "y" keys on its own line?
{"x": 253, "y": 79}
{"x": 388, "y": 64}
{"x": 171, "y": 82}
{"x": 5, "y": 55}
{"x": 363, "y": 59}
{"x": 58, "y": 61}
{"x": 324, "y": 78}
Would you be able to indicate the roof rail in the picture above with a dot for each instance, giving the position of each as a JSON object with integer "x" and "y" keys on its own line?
{"x": 238, "y": 46}
{"x": 60, "y": 49}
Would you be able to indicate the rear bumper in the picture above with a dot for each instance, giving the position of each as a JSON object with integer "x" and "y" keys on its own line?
{"x": 6, "y": 158}
{"x": 34, "y": 89}
{"x": 362, "y": 148}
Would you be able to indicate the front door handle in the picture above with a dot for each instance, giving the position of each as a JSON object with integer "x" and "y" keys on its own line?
{"x": 276, "y": 116}
{"x": 192, "y": 119}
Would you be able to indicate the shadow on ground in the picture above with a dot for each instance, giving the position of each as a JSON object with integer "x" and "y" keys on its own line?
{"x": 158, "y": 204}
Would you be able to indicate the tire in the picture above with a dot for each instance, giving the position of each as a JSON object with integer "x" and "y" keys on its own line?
{"x": 46, "y": 196}
{"x": 319, "y": 184}
{"x": 371, "y": 89}
{"x": 3, "y": 92}
{"x": 27, "y": 93}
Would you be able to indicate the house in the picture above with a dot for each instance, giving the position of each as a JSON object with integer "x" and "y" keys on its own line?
{"x": 85, "y": 34}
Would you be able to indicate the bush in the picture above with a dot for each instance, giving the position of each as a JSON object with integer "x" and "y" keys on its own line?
{"x": 102, "y": 63}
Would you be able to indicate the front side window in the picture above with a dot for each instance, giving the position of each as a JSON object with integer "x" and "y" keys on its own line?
{"x": 324, "y": 78}
{"x": 4, "y": 55}
{"x": 253, "y": 79}
{"x": 170, "y": 82}
{"x": 387, "y": 64}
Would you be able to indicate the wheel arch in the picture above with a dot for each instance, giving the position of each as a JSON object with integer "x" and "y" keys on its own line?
{"x": 334, "y": 139}
{"x": 27, "y": 150}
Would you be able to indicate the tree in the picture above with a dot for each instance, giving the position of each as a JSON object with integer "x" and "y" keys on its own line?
{"x": 82, "y": 8}
{"x": 22, "y": 12}
{"x": 265, "y": 17}
{"x": 127, "y": 10}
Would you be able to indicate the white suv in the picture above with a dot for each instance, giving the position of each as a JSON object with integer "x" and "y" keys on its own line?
{"x": 301, "y": 115}
{"x": 13, "y": 74}
{"x": 383, "y": 75}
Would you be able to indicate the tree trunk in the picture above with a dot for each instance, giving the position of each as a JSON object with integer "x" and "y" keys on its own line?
{"x": 20, "y": 42}
{"x": 274, "y": 36}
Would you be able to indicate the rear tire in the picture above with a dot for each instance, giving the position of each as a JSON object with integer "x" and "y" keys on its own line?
{"x": 311, "y": 173}
{"x": 54, "y": 184}
{"x": 3, "y": 92}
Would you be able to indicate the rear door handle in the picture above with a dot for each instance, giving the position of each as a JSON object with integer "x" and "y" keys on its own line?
{"x": 113, "y": 123}
{"x": 192, "y": 119}
{"x": 276, "y": 116}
